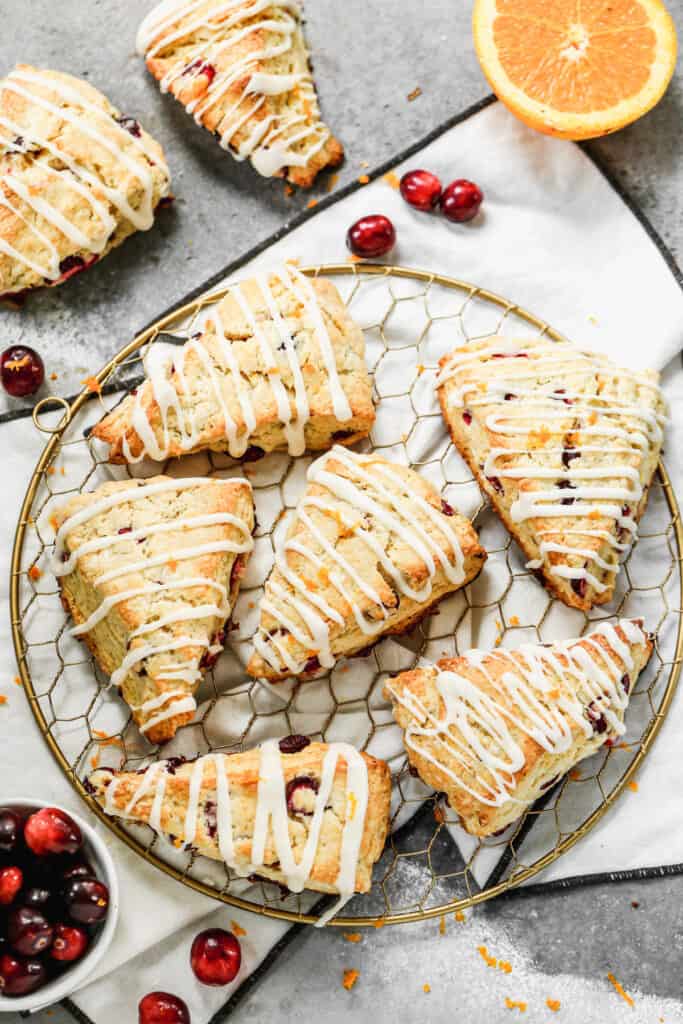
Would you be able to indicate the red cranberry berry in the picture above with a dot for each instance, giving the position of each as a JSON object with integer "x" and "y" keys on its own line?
{"x": 51, "y": 831}
{"x": 11, "y": 881}
{"x": 69, "y": 943}
{"x": 21, "y": 371}
{"x": 293, "y": 744}
{"x": 19, "y": 977}
{"x": 300, "y": 793}
{"x": 37, "y": 896}
{"x": 446, "y": 508}
{"x": 29, "y": 931}
{"x": 215, "y": 957}
{"x": 11, "y": 827}
{"x": 371, "y": 236}
{"x": 130, "y": 124}
{"x": 421, "y": 189}
{"x": 201, "y": 67}
{"x": 163, "y": 1008}
{"x": 460, "y": 201}
{"x": 86, "y": 899}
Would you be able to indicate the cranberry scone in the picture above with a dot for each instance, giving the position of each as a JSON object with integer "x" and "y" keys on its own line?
{"x": 305, "y": 815}
{"x": 371, "y": 549}
{"x": 150, "y": 570}
{"x": 565, "y": 444}
{"x": 241, "y": 70}
{"x": 495, "y": 729}
{"x": 280, "y": 365}
{"x": 77, "y": 177}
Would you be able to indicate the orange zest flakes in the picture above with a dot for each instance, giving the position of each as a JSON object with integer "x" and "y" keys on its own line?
{"x": 595, "y": 514}
{"x": 323, "y": 576}
{"x": 237, "y": 929}
{"x": 34, "y": 573}
{"x": 178, "y": 843}
{"x": 93, "y": 385}
{"x": 352, "y": 936}
{"x": 54, "y": 522}
{"x": 417, "y": 91}
{"x": 332, "y": 182}
{"x": 54, "y": 376}
{"x": 17, "y": 364}
{"x": 311, "y": 203}
{"x": 619, "y": 989}
{"x": 95, "y": 760}
{"x": 575, "y": 774}
{"x": 505, "y": 966}
{"x": 354, "y": 259}
{"x": 514, "y": 620}
{"x": 289, "y": 191}
{"x": 553, "y": 1004}
{"x": 459, "y": 916}
{"x": 515, "y": 1004}
{"x": 392, "y": 179}
{"x": 3, "y": 699}
{"x": 17, "y": 681}
{"x": 364, "y": 179}
{"x": 442, "y": 925}
{"x": 172, "y": 564}
{"x": 420, "y": 369}
{"x": 51, "y": 470}
{"x": 593, "y": 419}
{"x": 439, "y": 814}
{"x": 350, "y": 979}
{"x": 426, "y": 988}
{"x": 379, "y": 924}
{"x": 633, "y": 786}
{"x": 485, "y": 955}
{"x": 309, "y": 583}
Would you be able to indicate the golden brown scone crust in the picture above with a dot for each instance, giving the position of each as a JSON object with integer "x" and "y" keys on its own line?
{"x": 541, "y": 768}
{"x": 198, "y": 400}
{"x": 606, "y": 409}
{"x": 48, "y": 193}
{"x": 109, "y": 640}
{"x": 336, "y": 523}
{"x": 212, "y": 59}
{"x": 242, "y": 771}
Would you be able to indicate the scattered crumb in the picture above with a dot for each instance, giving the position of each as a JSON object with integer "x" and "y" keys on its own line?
{"x": 515, "y": 1004}
{"x": 34, "y": 573}
{"x": 332, "y": 182}
{"x": 17, "y": 681}
{"x": 442, "y": 925}
{"x": 553, "y": 1004}
{"x": 350, "y": 979}
{"x": 311, "y": 203}
{"x": 459, "y": 916}
{"x": 237, "y": 929}
{"x": 392, "y": 179}
{"x": 420, "y": 369}
{"x": 92, "y": 384}
{"x": 417, "y": 91}
{"x": 593, "y": 319}
{"x": 619, "y": 989}
{"x": 352, "y": 936}
{"x": 54, "y": 376}
{"x": 426, "y": 988}
{"x": 514, "y": 620}
{"x": 635, "y": 904}
{"x": 364, "y": 163}
{"x": 364, "y": 179}
{"x": 633, "y": 786}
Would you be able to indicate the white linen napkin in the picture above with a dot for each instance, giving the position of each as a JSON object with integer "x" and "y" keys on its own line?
{"x": 553, "y": 236}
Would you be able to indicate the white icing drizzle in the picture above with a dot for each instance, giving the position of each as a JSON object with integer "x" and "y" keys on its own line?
{"x": 228, "y": 381}
{"x": 281, "y": 139}
{"x": 374, "y": 489}
{"x": 272, "y": 816}
{"x": 579, "y": 491}
{"x": 172, "y": 702}
{"x": 538, "y": 695}
{"x": 89, "y": 185}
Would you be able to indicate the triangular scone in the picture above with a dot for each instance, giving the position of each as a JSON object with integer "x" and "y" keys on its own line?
{"x": 149, "y": 570}
{"x": 280, "y": 366}
{"x": 315, "y": 818}
{"x": 565, "y": 444}
{"x": 371, "y": 549}
{"x": 495, "y": 729}
{"x": 241, "y": 69}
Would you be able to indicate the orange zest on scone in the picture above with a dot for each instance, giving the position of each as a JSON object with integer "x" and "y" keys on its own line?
{"x": 149, "y": 571}
{"x": 241, "y": 70}
{"x": 371, "y": 549}
{"x": 495, "y": 730}
{"x": 565, "y": 444}
{"x": 280, "y": 365}
{"x": 76, "y": 178}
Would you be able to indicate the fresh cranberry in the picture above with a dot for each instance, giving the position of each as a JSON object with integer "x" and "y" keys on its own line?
{"x": 162, "y": 1008}
{"x": 11, "y": 828}
{"x": 253, "y": 453}
{"x": 21, "y": 370}
{"x": 293, "y": 744}
{"x": 580, "y": 587}
{"x": 312, "y": 665}
{"x": 79, "y": 869}
{"x": 11, "y": 881}
{"x": 125, "y": 529}
{"x": 460, "y": 201}
{"x": 215, "y": 957}
{"x": 36, "y": 896}
{"x": 421, "y": 189}
{"x": 568, "y": 454}
{"x": 298, "y": 801}
{"x": 201, "y": 67}
{"x": 496, "y": 484}
{"x": 371, "y": 236}
{"x": 29, "y": 931}
{"x": 52, "y": 831}
{"x": 130, "y": 124}
{"x": 626, "y": 683}
{"x": 19, "y": 977}
{"x": 446, "y": 508}
{"x": 467, "y": 417}
{"x": 86, "y": 899}
{"x": 596, "y": 718}
{"x": 69, "y": 943}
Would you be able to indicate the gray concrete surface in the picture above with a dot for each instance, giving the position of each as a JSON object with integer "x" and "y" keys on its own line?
{"x": 368, "y": 55}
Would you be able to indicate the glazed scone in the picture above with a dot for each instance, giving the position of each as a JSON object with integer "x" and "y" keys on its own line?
{"x": 241, "y": 70}
{"x": 280, "y": 365}
{"x": 493, "y": 730}
{"x": 565, "y": 444}
{"x": 371, "y": 549}
{"x": 76, "y": 178}
{"x": 150, "y": 570}
{"x": 316, "y": 817}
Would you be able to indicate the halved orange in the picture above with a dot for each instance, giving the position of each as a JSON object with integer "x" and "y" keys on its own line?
{"x": 576, "y": 68}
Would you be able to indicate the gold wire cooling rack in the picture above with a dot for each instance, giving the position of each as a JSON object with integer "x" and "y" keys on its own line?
{"x": 430, "y": 866}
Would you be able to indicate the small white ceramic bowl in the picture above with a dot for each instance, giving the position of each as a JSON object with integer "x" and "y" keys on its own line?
{"x": 100, "y": 858}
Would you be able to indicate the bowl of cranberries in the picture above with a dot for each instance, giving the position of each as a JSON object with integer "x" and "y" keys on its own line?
{"x": 58, "y": 903}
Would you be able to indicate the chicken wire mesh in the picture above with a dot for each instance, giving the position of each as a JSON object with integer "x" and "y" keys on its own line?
{"x": 430, "y": 866}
